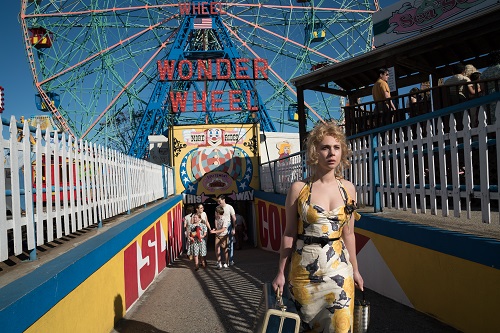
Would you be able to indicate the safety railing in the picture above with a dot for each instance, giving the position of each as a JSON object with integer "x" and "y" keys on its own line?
{"x": 277, "y": 175}
{"x": 51, "y": 186}
{"x": 434, "y": 161}
{"x": 363, "y": 117}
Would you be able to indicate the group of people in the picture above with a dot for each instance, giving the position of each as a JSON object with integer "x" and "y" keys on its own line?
{"x": 318, "y": 248}
{"x": 462, "y": 85}
{"x": 462, "y": 88}
{"x": 318, "y": 242}
{"x": 227, "y": 225}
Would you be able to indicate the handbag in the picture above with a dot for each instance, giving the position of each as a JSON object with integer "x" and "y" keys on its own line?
{"x": 361, "y": 315}
{"x": 276, "y": 313}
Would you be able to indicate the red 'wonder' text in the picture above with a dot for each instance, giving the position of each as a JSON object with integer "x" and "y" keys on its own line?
{"x": 192, "y": 70}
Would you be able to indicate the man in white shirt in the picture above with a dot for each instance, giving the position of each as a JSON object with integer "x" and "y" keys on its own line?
{"x": 230, "y": 216}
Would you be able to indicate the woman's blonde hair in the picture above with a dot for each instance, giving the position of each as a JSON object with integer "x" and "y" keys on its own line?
{"x": 469, "y": 69}
{"x": 317, "y": 135}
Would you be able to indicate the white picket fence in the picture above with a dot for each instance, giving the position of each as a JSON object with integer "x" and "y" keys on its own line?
{"x": 436, "y": 161}
{"x": 425, "y": 165}
{"x": 55, "y": 187}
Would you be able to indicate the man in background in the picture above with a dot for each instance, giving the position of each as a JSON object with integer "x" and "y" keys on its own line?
{"x": 381, "y": 91}
{"x": 230, "y": 216}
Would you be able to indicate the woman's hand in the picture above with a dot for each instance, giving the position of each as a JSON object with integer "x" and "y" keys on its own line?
{"x": 358, "y": 280}
{"x": 279, "y": 282}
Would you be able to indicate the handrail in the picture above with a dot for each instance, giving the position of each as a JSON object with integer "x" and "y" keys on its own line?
{"x": 369, "y": 115}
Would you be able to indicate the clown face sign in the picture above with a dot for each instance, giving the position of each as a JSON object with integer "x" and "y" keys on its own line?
{"x": 217, "y": 160}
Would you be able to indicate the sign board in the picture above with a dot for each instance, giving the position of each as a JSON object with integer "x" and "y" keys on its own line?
{"x": 409, "y": 18}
{"x": 275, "y": 145}
{"x": 215, "y": 159}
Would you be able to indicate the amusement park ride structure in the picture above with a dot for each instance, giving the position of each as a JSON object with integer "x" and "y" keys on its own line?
{"x": 97, "y": 65}
{"x": 204, "y": 44}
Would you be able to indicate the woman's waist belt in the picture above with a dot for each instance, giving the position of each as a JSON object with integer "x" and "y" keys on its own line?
{"x": 316, "y": 240}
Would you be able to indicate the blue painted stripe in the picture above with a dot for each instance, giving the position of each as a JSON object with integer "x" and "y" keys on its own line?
{"x": 278, "y": 199}
{"x": 477, "y": 249}
{"x": 37, "y": 292}
{"x": 481, "y": 250}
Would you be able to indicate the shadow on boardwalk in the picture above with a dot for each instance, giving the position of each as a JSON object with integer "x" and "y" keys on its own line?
{"x": 210, "y": 300}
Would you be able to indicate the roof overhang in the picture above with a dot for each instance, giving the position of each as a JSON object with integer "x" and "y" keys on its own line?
{"x": 468, "y": 40}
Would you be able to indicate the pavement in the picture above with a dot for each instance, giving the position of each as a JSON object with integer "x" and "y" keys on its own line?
{"x": 210, "y": 300}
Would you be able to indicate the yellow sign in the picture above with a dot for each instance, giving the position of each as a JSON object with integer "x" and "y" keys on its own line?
{"x": 216, "y": 159}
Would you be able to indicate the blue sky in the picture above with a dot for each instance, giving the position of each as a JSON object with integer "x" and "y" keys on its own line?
{"x": 15, "y": 75}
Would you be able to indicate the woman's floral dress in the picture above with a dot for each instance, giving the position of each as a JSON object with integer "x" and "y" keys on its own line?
{"x": 321, "y": 277}
{"x": 197, "y": 248}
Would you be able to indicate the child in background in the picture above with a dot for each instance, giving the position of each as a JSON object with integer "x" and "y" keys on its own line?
{"x": 221, "y": 237}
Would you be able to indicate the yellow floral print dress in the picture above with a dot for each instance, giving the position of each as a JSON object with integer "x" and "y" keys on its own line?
{"x": 321, "y": 277}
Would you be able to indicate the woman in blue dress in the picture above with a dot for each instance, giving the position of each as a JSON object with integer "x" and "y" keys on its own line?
{"x": 318, "y": 240}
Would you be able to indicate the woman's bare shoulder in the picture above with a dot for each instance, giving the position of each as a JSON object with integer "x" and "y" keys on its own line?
{"x": 299, "y": 184}
{"x": 349, "y": 187}
{"x": 296, "y": 187}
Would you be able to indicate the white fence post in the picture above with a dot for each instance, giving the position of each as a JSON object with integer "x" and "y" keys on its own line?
{"x": 4, "y": 227}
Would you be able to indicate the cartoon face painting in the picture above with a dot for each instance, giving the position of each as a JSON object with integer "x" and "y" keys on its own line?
{"x": 284, "y": 148}
{"x": 214, "y": 137}
{"x": 217, "y": 162}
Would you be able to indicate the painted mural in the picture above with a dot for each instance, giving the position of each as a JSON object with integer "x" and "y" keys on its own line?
{"x": 150, "y": 253}
{"x": 216, "y": 159}
{"x": 284, "y": 148}
{"x": 101, "y": 283}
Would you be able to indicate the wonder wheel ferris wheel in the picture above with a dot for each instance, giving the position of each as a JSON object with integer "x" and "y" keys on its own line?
{"x": 95, "y": 63}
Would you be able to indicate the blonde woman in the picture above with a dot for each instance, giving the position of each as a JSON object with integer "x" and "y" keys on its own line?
{"x": 319, "y": 237}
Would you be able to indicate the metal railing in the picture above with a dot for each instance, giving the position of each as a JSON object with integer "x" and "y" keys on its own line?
{"x": 371, "y": 115}
{"x": 277, "y": 175}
